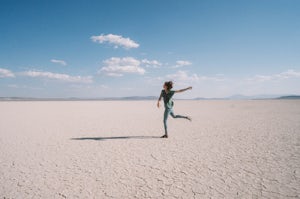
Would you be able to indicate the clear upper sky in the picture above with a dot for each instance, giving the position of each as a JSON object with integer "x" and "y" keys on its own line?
{"x": 113, "y": 48}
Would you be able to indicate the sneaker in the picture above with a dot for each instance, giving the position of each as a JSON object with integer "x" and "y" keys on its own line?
{"x": 189, "y": 118}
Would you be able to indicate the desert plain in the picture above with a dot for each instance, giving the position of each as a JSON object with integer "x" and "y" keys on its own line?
{"x": 112, "y": 149}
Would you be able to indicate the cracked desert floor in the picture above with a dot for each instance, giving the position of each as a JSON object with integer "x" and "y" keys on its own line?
{"x": 112, "y": 149}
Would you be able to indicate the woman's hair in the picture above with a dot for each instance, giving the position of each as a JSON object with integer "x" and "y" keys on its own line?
{"x": 169, "y": 85}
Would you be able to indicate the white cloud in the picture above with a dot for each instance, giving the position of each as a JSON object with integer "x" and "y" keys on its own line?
{"x": 6, "y": 73}
{"x": 116, "y": 40}
{"x": 151, "y": 63}
{"x": 260, "y": 78}
{"x": 15, "y": 86}
{"x": 116, "y": 66}
{"x": 61, "y": 62}
{"x": 104, "y": 86}
{"x": 288, "y": 74}
{"x": 184, "y": 76}
{"x": 284, "y": 75}
{"x": 58, "y": 76}
{"x": 114, "y": 74}
{"x": 182, "y": 63}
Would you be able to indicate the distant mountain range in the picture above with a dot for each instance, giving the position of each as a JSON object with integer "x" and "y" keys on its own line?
{"x": 141, "y": 98}
{"x": 289, "y": 97}
{"x": 255, "y": 97}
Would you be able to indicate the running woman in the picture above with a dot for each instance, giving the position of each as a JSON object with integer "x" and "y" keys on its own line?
{"x": 167, "y": 95}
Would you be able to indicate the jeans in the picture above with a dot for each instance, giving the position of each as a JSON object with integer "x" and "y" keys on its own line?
{"x": 169, "y": 111}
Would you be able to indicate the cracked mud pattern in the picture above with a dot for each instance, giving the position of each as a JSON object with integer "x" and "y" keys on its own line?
{"x": 231, "y": 149}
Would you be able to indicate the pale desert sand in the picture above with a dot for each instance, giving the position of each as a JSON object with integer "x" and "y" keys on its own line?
{"x": 111, "y": 149}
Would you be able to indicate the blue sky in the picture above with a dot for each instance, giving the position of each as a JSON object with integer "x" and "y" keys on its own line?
{"x": 129, "y": 48}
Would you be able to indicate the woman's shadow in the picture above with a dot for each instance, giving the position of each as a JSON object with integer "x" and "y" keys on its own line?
{"x": 115, "y": 138}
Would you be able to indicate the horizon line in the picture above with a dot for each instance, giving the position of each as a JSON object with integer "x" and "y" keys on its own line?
{"x": 145, "y": 98}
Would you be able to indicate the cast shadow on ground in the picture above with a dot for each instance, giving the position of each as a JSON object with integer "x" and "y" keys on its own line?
{"x": 115, "y": 138}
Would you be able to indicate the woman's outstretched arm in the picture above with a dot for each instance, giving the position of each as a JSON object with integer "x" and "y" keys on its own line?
{"x": 182, "y": 90}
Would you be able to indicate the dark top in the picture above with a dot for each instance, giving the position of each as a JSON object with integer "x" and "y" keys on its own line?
{"x": 167, "y": 98}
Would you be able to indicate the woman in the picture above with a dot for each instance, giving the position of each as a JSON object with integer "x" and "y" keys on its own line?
{"x": 167, "y": 94}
